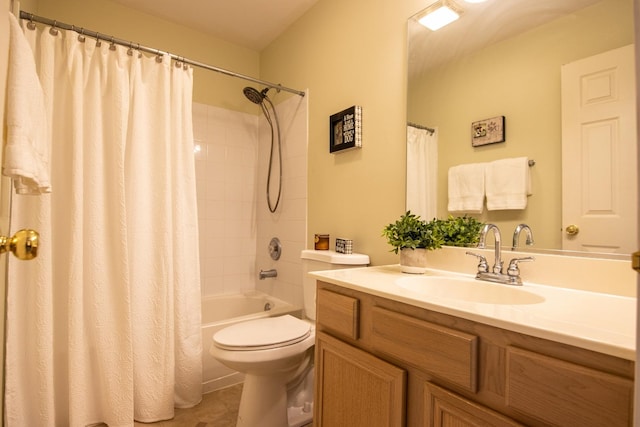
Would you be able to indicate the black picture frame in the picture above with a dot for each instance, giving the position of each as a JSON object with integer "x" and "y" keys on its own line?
{"x": 345, "y": 129}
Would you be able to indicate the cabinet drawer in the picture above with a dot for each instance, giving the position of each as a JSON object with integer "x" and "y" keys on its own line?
{"x": 338, "y": 313}
{"x": 444, "y": 408}
{"x": 442, "y": 352}
{"x": 565, "y": 394}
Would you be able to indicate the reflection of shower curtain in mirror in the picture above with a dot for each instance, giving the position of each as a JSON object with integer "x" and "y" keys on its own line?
{"x": 104, "y": 325}
{"x": 422, "y": 172}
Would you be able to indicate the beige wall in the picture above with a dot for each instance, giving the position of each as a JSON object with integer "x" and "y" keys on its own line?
{"x": 519, "y": 79}
{"x": 351, "y": 53}
{"x": 114, "y": 19}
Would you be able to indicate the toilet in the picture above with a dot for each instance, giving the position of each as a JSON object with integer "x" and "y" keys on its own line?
{"x": 276, "y": 354}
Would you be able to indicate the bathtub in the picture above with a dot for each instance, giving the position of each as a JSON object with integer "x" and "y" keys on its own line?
{"x": 220, "y": 311}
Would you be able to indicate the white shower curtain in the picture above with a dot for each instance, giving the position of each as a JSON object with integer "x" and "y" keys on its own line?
{"x": 422, "y": 172}
{"x": 104, "y": 326}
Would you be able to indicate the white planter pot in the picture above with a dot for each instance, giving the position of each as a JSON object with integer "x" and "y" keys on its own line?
{"x": 413, "y": 261}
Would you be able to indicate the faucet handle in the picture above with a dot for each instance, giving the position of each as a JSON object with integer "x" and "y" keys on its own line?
{"x": 483, "y": 266}
{"x": 513, "y": 269}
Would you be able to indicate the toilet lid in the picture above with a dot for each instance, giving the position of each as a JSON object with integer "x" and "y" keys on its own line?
{"x": 259, "y": 334}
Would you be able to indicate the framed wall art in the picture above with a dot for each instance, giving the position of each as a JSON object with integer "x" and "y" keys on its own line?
{"x": 488, "y": 131}
{"x": 345, "y": 129}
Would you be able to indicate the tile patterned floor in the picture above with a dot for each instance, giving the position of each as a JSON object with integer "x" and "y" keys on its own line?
{"x": 217, "y": 409}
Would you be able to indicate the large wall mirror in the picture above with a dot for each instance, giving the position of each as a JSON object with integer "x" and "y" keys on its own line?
{"x": 506, "y": 58}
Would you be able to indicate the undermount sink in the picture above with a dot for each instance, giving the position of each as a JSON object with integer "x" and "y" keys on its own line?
{"x": 460, "y": 288}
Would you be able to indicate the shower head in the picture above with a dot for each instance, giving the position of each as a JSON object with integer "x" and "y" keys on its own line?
{"x": 254, "y": 96}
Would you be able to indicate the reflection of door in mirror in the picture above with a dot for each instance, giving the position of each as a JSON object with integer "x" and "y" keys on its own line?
{"x": 599, "y": 178}
{"x": 517, "y": 77}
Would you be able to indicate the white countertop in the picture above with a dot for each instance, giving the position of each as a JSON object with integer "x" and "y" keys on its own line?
{"x": 595, "y": 321}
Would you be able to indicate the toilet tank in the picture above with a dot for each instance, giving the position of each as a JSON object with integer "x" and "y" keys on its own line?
{"x": 313, "y": 260}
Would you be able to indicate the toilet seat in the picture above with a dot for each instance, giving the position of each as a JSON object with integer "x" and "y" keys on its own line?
{"x": 263, "y": 334}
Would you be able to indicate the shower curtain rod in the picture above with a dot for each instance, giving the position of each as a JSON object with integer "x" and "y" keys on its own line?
{"x": 137, "y": 46}
{"x": 415, "y": 125}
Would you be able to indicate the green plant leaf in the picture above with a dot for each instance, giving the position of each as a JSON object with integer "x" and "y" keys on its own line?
{"x": 411, "y": 232}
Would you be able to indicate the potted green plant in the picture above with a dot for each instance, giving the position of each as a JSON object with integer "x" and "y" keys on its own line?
{"x": 412, "y": 237}
{"x": 459, "y": 231}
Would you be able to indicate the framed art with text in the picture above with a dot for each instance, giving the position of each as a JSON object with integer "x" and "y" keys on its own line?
{"x": 487, "y": 131}
{"x": 345, "y": 129}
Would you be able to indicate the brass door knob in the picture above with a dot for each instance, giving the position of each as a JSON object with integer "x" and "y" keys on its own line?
{"x": 572, "y": 230}
{"x": 23, "y": 244}
{"x": 635, "y": 261}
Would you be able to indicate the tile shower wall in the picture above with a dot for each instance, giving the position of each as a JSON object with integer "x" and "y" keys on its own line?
{"x": 226, "y": 182}
{"x": 235, "y": 223}
{"x": 289, "y": 222}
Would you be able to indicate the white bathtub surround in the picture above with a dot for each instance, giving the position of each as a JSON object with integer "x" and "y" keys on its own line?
{"x": 108, "y": 328}
{"x": 235, "y": 223}
{"x": 226, "y": 171}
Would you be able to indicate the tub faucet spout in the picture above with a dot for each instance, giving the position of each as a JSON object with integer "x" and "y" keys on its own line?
{"x": 268, "y": 273}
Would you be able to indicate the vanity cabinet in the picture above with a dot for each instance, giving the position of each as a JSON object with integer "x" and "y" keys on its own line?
{"x": 361, "y": 389}
{"x": 382, "y": 362}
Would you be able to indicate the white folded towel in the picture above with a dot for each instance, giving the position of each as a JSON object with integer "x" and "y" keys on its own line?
{"x": 466, "y": 188}
{"x": 508, "y": 183}
{"x": 26, "y": 155}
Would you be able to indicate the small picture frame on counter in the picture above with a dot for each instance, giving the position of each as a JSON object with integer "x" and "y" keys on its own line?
{"x": 344, "y": 246}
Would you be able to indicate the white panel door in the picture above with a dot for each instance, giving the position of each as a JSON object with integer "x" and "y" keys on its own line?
{"x": 599, "y": 146}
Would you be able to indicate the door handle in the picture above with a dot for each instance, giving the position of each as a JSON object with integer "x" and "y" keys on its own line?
{"x": 572, "y": 230}
{"x": 23, "y": 244}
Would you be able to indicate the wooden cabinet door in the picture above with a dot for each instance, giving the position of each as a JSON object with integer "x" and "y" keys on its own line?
{"x": 562, "y": 393}
{"x": 446, "y": 409}
{"x": 355, "y": 388}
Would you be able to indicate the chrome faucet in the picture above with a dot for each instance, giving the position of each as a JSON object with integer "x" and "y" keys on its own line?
{"x": 512, "y": 277}
{"x": 497, "y": 263}
{"x": 516, "y": 235}
{"x": 268, "y": 273}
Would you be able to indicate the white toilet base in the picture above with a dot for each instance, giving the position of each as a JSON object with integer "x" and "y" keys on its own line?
{"x": 266, "y": 402}
{"x": 269, "y": 374}
{"x": 263, "y": 402}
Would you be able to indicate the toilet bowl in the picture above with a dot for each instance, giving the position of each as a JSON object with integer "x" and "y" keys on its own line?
{"x": 272, "y": 352}
{"x": 276, "y": 355}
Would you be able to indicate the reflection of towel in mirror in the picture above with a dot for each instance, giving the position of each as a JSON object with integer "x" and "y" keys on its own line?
{"x": 466, "y": 188}
{"x": 508, "y": 183}
{"x": 26, "y": 155}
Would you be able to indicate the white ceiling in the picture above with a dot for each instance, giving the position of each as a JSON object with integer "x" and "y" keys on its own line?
{"x": 256, "y": 23}
{"x": 249, "y": 23}
{"x": 482, "y": 24}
